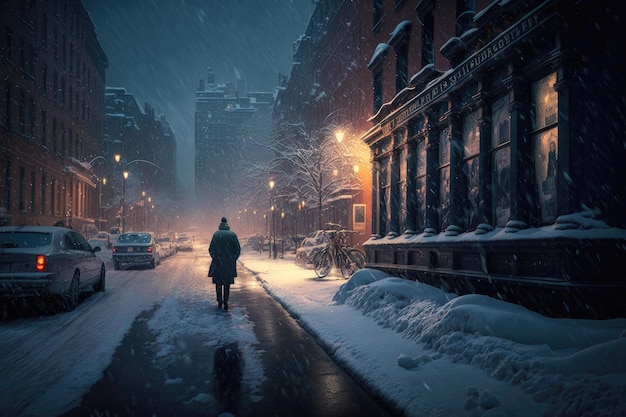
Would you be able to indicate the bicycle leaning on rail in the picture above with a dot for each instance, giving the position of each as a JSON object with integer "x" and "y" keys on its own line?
{"x": 347, "y": 259}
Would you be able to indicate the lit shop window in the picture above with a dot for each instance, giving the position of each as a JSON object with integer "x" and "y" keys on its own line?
{"x": 545, "y": 145}
{"x": 420, "y": 184}
{"x": 384, "y": 194}
{"x": 501, "y": 145}
{"x": 471, "y": 149}
{"x": 402, "y": 184}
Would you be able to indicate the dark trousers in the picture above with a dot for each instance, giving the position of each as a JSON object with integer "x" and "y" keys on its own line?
{"x": 222, "y": 292}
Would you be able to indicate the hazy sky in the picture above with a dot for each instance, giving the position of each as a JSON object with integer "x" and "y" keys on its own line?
{"x": 159, "y": 50}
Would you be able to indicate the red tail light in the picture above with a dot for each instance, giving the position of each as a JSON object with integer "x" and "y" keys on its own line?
{"x": 114, "y": 249}
{"x": 40, "y": 263}
{"x": 150, "y": 249}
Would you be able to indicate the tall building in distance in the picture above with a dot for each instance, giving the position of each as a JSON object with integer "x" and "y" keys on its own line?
{"x": 146, "y": 146}
{"x": 222, "y": 135}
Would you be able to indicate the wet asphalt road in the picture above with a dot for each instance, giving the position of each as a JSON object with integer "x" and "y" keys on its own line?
{"x": 302, "y": 380}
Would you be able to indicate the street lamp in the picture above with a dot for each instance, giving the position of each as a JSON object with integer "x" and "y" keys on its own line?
{"x": 245, "y": 210}
{"x": 339, "y": 134}
{"x": 148, "y": 218}
{"x": 304, "y": 216}
{"x": 295, "y": 217}
{"x": 273, "y": 232}
{"x": 269, "y": 246}
{"x": 118, "y": 159}
{"x": 143, "y": 210}
{"x": 124, "y": 201}
{"x": 282, "y": 234}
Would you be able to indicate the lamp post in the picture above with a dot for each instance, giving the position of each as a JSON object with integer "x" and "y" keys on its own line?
{"x": 273, "y": 232}
{"x": 282, "y": 234}
{"x": 125, "y": 174}
{"x": 245, "y": 210}
{"x": 295, "y": 217}
{"x": 148, "y": 222}
{"x": 143, "y": 210}
{"x": 269, "y": 246}
{"x": 304, "y": 217}
{"x": 295, "y": 232}
{"x": 118, "y": 159}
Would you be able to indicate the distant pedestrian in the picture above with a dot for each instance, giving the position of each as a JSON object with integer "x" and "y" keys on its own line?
{"x": 224, "y": 250}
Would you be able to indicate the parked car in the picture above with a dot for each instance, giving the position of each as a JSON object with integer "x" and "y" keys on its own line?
{"x": 104, "y": 236}
{"x": 38, "y": 261}
{"x": 254, "y": 242}
{"x": 136, "y": 248}
{"x": 310, "y": 246}
{"x": 184, "y": 243}
{"x": 98, "y": 243}
{"x": 168, "y": 246}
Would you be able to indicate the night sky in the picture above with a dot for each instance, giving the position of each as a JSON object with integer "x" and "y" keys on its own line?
{"x": 159, "y": 50}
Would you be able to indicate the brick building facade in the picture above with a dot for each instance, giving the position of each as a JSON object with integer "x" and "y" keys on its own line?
{"x": 52, "y": 69}
{"x": 496, "y": 138}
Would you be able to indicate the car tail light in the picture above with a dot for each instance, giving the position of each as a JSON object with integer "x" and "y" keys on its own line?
{"x": 150, "y": 249}
{"x": 114, "y": 249}
{"x": 40, "y": 263}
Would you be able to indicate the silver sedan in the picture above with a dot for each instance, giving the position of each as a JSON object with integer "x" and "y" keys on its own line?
{"x": 136, "y": 248}
{"x": 38, "y": 261}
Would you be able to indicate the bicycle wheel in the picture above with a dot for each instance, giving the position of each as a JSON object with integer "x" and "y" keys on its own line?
{"x": 323, "y": 263}
{"x": 358, "y": 258}
{"x": 351, "y": 261}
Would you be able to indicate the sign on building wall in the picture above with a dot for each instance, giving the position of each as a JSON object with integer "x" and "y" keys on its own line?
{"x": 358, "y": 217}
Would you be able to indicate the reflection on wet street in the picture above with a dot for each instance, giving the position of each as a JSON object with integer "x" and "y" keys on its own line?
{"x": 254, "y": 360}
{"x": 228, "y": 371}
{"x": 302, "y": 380}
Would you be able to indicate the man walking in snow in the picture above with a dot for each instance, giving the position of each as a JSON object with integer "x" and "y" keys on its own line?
{"x": 224, "y": 250}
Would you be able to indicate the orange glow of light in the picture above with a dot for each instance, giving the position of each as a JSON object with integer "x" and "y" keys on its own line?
{"x": 40, "y": 263}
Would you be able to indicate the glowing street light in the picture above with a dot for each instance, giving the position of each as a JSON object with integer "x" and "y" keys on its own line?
{"x": 269, "y": 245}
{"x": 125, "y": 174}
{"x": 118, "y": 159}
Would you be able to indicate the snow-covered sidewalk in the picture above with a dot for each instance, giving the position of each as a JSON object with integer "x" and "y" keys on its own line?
{"x": 439, "y": 354}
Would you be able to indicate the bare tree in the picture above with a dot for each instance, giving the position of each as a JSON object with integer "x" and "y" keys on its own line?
{"x": 313, "y": 165}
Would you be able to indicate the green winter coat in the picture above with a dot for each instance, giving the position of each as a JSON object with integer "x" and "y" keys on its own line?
{"x": 224, "y": 250}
